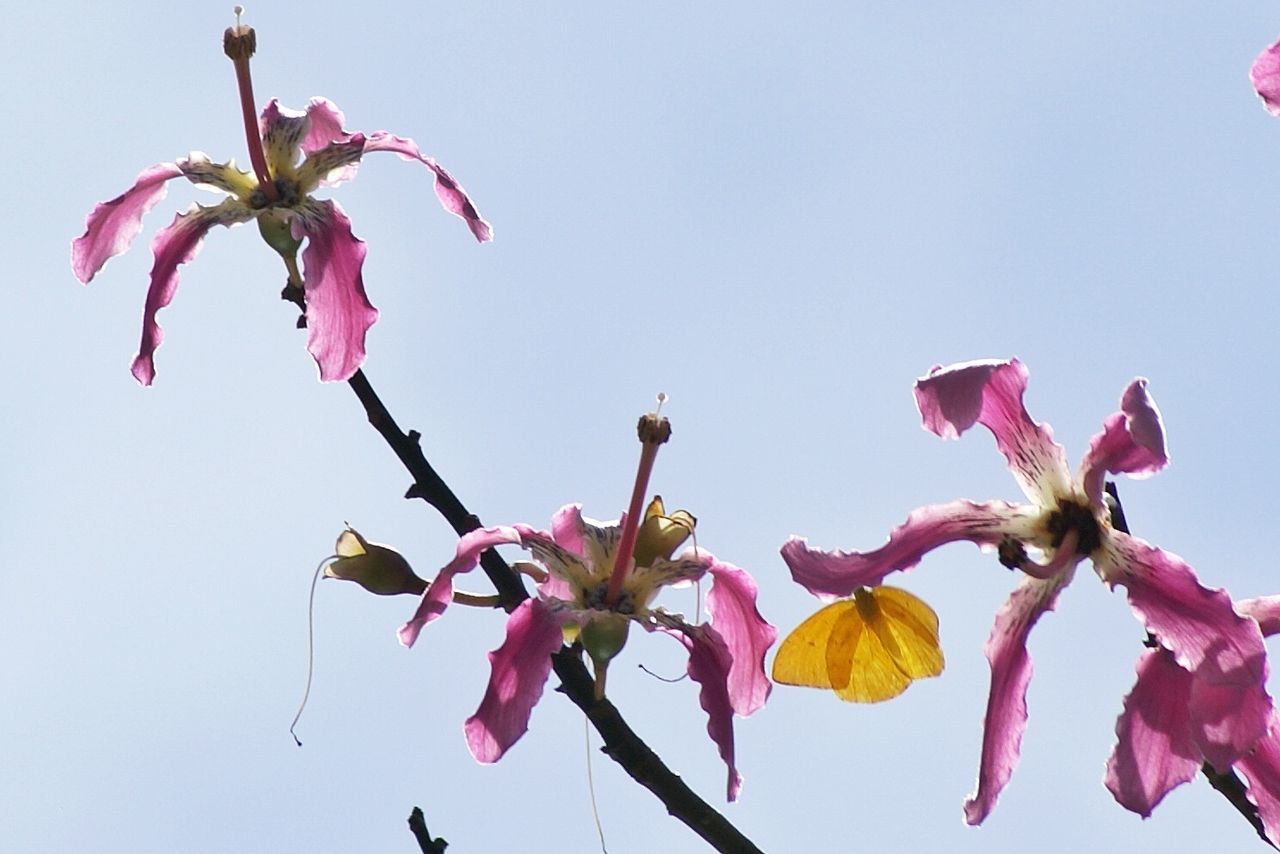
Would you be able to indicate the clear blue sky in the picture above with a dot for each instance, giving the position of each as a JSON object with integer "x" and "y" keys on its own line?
{"x": 778, "y": 218}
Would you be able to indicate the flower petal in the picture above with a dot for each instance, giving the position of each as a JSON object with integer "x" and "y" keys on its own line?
{"x": 561, "y": 564}
{"x": 1154, "y": 750}
{"x": 660, "y": 533}
{"x": 731, "y": 602}
{"x": 1011, "y": 669}
{"x": 330, "y": 165}
{"x": 518, "y": 673}
{"x": 1227, "y": 720}
{"x": 338, "y": 312}
{"x": 448, "y": 191}
{"x": 644, "y": 582}
{"x": 112, "y": 226}
{"x": 283, "y": 131}
{"x": 1199, "y": 625}
{"x": 440, "y": 593}
{"x": 199, "y": 170}
{"x": 710, "y": 663}
{"x": 990, "y": 393}
{"x": 177, "y": 244}
{"x": 326, "y": 125}
{"x": 1262, "y": 768}
{"x": 1265, "y": 610}
{"x": 1131, "y": 442}
{"x": 1265, "y": 75}
{"x": 327, "y": 128}
{"x": 567, "y": 527}
{"x": 600, "y": 543}
{"x": 837, "y": 573}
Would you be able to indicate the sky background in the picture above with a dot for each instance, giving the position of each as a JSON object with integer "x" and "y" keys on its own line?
{"x": 779, "y": 218}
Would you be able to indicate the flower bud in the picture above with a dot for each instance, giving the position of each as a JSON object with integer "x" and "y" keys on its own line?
{"x": 660, "y": 535}
{"x": 376, "y": 568}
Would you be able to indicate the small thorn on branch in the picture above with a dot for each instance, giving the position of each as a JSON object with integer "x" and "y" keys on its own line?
{"x": 418, "y": 826}
{"x": 294, "y": 295}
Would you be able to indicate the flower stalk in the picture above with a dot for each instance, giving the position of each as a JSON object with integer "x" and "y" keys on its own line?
{"x": 239, "y": 43}
{"x": 653, "y": 430}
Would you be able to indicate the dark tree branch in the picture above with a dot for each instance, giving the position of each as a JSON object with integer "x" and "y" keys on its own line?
{"x": 1229, "y": 785}
{"x": 620, "y": 742}
{"x": 418, "y": 825}
{"x": 623, "y": 746}
{"x": 427, "y": 484}
{"x": 430, "y": 487}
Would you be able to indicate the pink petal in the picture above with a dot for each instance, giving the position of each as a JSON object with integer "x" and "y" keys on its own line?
{"x": 448, "y": 191}
{"x": 837, "y": 573}
{"x": 174, "y": 245}
{"x": 1262, "y": 768}
{"x": 1131, "y": 442}
{"x": 952, "y": 399}
{"x": 1265, "y": 75}
{"x": 731, "y": 603}
{"x": 1011, "y": 669}
{"x": 562, "y": 565}
{"x": 1154, "y": 750}
{"x": 1227, "y": 720}
{"x": 554, "y": 587}
{"x": 440, "y": 593}
{"x": 326, "y": 125}
{"x": 338, "y": 312}
{"x": 1264, "y": 610}
{"x": 283, "y": 131}
{"x": 709, "y": 665}
{"x": 112, "y": 226}
{"x": 567, "y": 527}
{"x": 330, "y": 165}
{"x": 1199, "y": 625}
{"x": 518, "y": 672}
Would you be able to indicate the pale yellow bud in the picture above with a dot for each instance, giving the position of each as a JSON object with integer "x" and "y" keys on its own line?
{"x": 377, "y": 568}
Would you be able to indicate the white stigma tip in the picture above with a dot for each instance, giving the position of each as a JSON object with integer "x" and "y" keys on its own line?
{"x": 239, "y": 10}
{"x": 662, "y": 398}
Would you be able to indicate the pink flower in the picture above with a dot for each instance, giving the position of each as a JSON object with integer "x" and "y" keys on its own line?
{"x": 337, "y": 310}
{"x": 1265, "y": 76}
{"x": 1173, "y": 721}
{"x": 1066, "y": 521}
{"x": 726, "y": 654}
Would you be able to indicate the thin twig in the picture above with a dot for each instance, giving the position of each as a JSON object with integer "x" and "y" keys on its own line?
{"x": 1229, "y": 785}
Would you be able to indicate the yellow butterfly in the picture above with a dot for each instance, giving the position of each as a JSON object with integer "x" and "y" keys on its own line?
{"x": 868, "y": 648}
